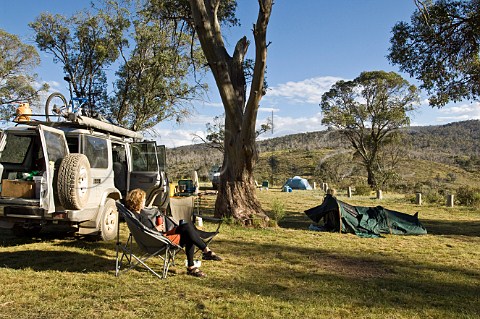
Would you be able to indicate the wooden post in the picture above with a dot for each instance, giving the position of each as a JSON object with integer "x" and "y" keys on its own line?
{"x": 379, "y": 194}
{"x": 418, "y": 198}
{"x": 450, "y": 200}
{"x": 349, "y": 192}
{"x": 314, "y": 185}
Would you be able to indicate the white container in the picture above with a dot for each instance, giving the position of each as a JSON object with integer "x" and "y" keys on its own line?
{"x": 199, "y": 221}
{"x": 196, "y": 263}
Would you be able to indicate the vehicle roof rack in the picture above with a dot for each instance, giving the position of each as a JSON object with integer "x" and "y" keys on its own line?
{"x": 79, "y": 121}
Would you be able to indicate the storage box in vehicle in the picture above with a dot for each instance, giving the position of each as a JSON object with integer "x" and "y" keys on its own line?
{"x": 18, "y": 188}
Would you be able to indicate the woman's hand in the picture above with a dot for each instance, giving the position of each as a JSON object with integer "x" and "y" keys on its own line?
{"x": 160, "y": 224}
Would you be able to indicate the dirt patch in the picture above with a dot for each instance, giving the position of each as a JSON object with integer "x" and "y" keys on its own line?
{"x": 354, "y": 268}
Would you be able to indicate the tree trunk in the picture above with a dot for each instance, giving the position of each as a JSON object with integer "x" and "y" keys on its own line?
{"x": 236, "y": 196}
{"x": 371, "y": 180}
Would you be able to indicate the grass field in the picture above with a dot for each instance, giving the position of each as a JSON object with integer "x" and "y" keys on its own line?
{"x": 282, "y": 272}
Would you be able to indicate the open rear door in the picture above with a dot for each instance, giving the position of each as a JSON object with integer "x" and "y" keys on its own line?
{"x": 55, "y": 148}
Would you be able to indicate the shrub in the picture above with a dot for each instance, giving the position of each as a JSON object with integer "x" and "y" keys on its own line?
{"x": 433, "y": 196}
{"x": 363, "y": 190}
{"x": 468, "y": 196}
{"x": 278, "y": 211}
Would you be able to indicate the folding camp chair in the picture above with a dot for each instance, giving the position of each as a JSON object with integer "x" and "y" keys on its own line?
{"x": 151, "y": 242}
{"x": 187, "y": 208}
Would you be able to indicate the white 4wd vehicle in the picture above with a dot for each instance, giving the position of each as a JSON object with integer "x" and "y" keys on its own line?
{"x": 71, "y": 173}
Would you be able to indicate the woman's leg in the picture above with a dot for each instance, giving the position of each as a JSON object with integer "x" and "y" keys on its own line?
{"x": 189, "y": 238}
{"x": 188, "y": 235}
{"x": 189, "y": 251}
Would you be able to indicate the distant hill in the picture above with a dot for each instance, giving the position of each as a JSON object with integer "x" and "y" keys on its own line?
{"x": 443, "y": 153}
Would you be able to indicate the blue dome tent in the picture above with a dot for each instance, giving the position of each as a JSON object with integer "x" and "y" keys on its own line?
{"x": 297, "y": 183}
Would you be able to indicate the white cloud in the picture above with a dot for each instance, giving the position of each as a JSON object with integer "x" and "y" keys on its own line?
{"x": 175, "y": 138}
{"x": 459, "y": 112}
{"x": 268, "y": 109}
{"x": 292, "y": 125}
{"x": 212, "y": 104}
{"x": 308, "y": 91}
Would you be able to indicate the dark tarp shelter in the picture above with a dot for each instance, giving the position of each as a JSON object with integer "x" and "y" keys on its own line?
{"x": 363, "y": 221}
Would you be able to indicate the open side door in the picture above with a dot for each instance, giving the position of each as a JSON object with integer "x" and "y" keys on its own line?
{"x": 55, "y": 148}
{"x": 162, "y": 157}
{"x": 144, "y": 173}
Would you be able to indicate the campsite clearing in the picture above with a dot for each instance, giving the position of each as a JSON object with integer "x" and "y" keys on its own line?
{"x": 281, "y": 272}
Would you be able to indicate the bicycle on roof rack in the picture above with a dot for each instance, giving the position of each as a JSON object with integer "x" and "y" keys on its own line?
{"x": 58, "y": 107}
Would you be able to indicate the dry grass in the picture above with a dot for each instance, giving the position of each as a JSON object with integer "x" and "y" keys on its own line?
{"x": 284, "y": 272}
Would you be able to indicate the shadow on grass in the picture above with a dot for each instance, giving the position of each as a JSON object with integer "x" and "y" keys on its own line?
{"x": 295, "y": 220}
{"x": 376, "y": 281}
{"x": 56, "y": 238}
{"x": 463, "y": 228}
{"x": 69, "y": 261}
{"x": 8, "y": 239}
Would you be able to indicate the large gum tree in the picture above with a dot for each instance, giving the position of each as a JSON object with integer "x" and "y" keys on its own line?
{"x": 236, "y": 197}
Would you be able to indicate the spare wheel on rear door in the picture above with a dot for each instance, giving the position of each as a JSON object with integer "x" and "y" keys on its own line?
{"x": 73, "y": 182}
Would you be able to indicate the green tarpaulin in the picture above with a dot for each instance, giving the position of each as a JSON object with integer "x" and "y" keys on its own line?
{"x": 335, "y": 215}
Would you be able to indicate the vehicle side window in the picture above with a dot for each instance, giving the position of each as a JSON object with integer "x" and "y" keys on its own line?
{"x": 96, "y": 150}
{"x": 16, "y": 148}
{"x": 144, "y": 158}
{"x": 73, "y": 144}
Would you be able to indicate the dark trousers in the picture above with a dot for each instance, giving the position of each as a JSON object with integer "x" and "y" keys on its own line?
{"x": 189, "y": 238}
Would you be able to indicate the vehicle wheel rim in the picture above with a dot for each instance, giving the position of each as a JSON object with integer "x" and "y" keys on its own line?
{"x": 110, "y": 221}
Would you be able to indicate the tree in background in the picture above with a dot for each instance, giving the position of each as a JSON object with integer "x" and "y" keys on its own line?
{"x": 157, "y": 60}
{"x": 236, "y": 197}
{"x": 85, "y": 45}
{"x": 17, "y": 60}
{"x": 215, "y": 132}
{"x": 273, "y": 163}
{"x": 159, "y": 76}
{"x": 440, "y": 47}
{"x": 369, "y": 110}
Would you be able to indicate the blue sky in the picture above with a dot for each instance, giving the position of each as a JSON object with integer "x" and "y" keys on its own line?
{"x": 313, "y": 44}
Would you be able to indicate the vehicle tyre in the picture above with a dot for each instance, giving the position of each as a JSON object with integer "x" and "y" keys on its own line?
{"x": 54, "y": 107}
{"x": 109, "y": 221}
{"x": 73, "y": 181}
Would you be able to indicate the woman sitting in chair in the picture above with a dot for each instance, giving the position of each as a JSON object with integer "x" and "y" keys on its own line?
{"x": 184, "y": 235}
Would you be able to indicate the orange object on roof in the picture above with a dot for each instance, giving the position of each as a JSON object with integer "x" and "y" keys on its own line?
{"x": 23, "y": 112}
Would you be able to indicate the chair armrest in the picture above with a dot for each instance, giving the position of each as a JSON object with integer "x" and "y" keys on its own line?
{"x": 208, "y": 219}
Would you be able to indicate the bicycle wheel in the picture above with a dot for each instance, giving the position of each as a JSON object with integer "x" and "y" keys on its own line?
{"x": 56, "y": 106}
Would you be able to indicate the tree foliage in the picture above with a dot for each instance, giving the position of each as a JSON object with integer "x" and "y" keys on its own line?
{"x": 153, "y": 81}
{"x": 16, "y": 78}
{"x": 440, "y": 47}
{"x": 156, "y": 56}
{"x": 85, "y": 44}
{"x": 369, "y": 110}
